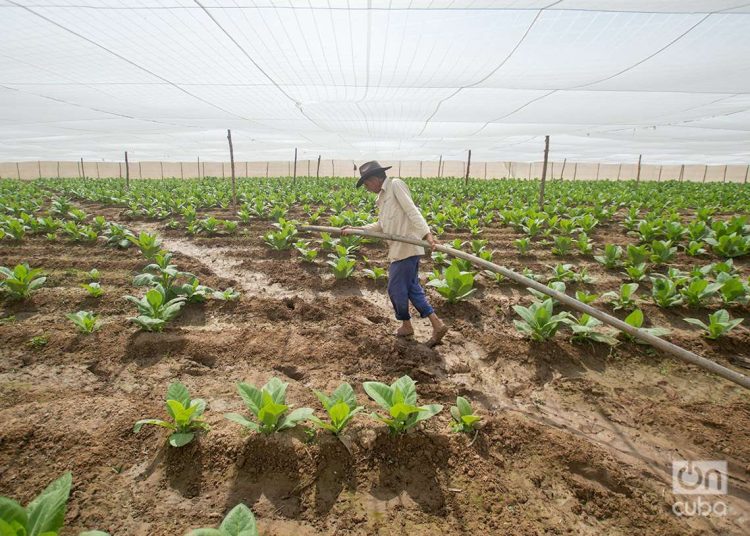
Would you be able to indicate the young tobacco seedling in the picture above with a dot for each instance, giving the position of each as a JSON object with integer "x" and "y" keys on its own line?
{"x": 376, "y": 273}
{"x": 149, "y": 244}
{"x": 664, "y": 292}
{"x": 94, "y": 275}
{"x": 399, "y": 400}
{"x": 584, "y": 297}
{"x": 20, "y": 282}
{"x": 699, "y": 292}
{"x": 44, "y": 516}
{"x": 636, "y": 272}
{"x": 455, "y": 285}
{"x": 240, "y": 521}
{"x": 635, "y": 319}
{"x": 85, "y": 321}
{"x": 186, "y": 416}
{"x": 94, "y": 289}
{"x": 154, "y": 309}
{"x": 611, "y": 257}
{"x": 341, "y": 407}
{"x": 462, "y": 416}
{"x": 268, "y": 405}
{"x": 625, "y": 299}
{"x": 228, "y": 294}
{"x": 342, "y": 266}
{"x": 538, "y": 321}
{"x": 584, "y": 330}
{"x": 719, "y": 324}
{"x": 523, "y": 245}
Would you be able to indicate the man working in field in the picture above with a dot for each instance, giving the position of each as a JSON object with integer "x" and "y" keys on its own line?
{"x": 400, "y": 216}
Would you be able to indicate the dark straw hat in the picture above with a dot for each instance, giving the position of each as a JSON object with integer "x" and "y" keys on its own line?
{"x": 369, "y": 169}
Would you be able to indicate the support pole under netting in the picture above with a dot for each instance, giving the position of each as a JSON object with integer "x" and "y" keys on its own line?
{"x": 572, "y": 303}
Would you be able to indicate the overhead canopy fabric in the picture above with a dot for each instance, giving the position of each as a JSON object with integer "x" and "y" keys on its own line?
{"x": 388, "y": 79}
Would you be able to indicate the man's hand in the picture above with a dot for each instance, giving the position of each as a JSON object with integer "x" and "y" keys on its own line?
{"x": 346, "y": 229}
{"x": 431, "y": 240}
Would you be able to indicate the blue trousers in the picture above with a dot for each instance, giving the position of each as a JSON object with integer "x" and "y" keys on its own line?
{"x": 403, "y": 287}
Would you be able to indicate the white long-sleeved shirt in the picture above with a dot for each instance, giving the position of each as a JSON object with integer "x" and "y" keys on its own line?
{"x": 400, "y": 216}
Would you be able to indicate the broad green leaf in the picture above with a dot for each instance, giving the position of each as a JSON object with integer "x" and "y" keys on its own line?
{"x": 425, "y": 412}
{"x": 240, "y": 521}
{"x": 463, "y": 406}
{"x": 339, "y": 412}
{"x": 239, "y": 419}
{"x": 11, "y": 511}
{"x": 635, "y": 318}
{"x": 345, "y": 393}
{"x": 379, "y": 392}
{"x": 251, "y": 396}
{"x": 408, "y": 388}
{"x": 179, "y": 392}
{"x": 47, "y": 512}
{"x": 156, "y": 422}
{"x": 181, "y": 439}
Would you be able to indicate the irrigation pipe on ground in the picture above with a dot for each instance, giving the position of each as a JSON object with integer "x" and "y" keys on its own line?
{"x": 572, "y": 303}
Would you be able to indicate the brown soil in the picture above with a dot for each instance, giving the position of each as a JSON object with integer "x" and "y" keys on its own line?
{"x": 578, "y": 439}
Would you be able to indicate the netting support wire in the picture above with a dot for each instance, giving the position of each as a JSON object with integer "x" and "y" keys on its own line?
{"x": 572, "y": 303}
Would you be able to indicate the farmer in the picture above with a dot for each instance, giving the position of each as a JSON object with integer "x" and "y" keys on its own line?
{"x": 400, "y": 216}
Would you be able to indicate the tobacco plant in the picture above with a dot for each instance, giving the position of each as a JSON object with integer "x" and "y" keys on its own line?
{"x": 43, "y": 516}
{"x": 399, "y": 400}
{"x": 538, "y": 322}
{"x": 186, "y": 414}
{"x": 341, "y": 408}
{"x": 268, "y": 406}
{"x": 463, "y": 419}
{"x": 154, "y": 309}
{"x": 719, "y": 324}
{"x": 20, "y": 282}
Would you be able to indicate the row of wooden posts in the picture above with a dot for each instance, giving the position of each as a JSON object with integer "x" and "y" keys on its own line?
{"x": 82, "y": 169}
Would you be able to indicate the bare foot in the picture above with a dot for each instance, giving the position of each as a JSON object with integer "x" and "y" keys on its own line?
{"x": 437, "y": 335}
{"x": 404, "y": 332}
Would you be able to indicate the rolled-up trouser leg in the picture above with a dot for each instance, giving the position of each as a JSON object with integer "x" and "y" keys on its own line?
{"x": 416, "y": 293}
{"x": 400, "y": 278}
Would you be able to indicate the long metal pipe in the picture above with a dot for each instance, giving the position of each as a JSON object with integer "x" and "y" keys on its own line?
{"x": 572, "y": 303}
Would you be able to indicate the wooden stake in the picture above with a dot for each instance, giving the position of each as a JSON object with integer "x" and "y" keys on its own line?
{"x": 399, "y": 168}
{"x": 127, "y": 172}
{"x": 420, "y": 169}
{"x": 529, "y": 170}
{"x": 199, "y": 167}
{"x": 468, "y": 168}
{"x": 544, "y": 173}
{"x": 246, "y": 174}
{"x": 746, "y": 173}
{"x": 660, "y": 170}
{"x": 638, "y": 174}
{"x": 204, "y": 169}
{"x": 705, "y": 172}
{"x": 58, "y": 170}
{"x": 182, "y": 174}
{"x": 485, "y": 170}
{"x": 161, "y": 166}
{"x": 575, "y": 170}
{"x": 18, "y": 171}
{"x": 39, "y": 164}
{"x": 231, "y": 159}
{"x": 725, "y": 174}
{"x": 119, "y": 168}
{"x": 295, "y": 165}
{"x": 682, "y": 172}
{"x": 598, "y": 165}
{"x": 266, "y": 168}
{"x": 619, "y": 170}
{"x": 333, "y": 167}
{"x": 440, "y": 163}
{"x": 565, "y": 161}
{"x": 97, "y": 170}
{"x": 140, "y": 170}
{"x": 317, "y": 170}
{"x": 83, "y": 169}
{"x": 354, "y": 170}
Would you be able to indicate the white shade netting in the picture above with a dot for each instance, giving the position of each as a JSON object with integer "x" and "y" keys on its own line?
{"x": 388, "y": 79}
